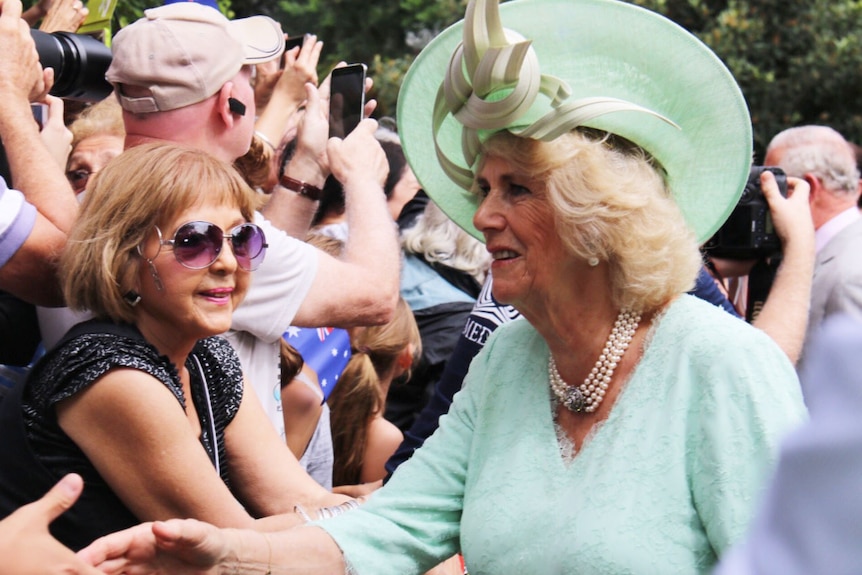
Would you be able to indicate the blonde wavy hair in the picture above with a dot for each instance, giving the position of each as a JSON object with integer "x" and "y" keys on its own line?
{"x": 610, "y": 201}
{"x": 102, "y": 118}
{"x": 143, "y": 187}
{"x": 438, "y": 239}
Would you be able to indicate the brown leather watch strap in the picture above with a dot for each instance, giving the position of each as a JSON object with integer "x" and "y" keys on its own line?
{"x": 304, "y": 189}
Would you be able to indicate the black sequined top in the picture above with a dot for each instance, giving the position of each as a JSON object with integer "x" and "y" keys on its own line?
{"x": 88, "y": 352}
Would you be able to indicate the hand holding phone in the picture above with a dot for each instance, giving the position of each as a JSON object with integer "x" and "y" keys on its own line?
{"x": 346, "y": 99}
{"x": 290, "y": 43}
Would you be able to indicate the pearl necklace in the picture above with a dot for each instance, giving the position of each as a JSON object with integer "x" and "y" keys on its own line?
{"x": 588, "y": 395}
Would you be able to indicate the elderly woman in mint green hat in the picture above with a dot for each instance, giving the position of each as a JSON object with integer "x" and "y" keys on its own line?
{"x": 623, "y": 427}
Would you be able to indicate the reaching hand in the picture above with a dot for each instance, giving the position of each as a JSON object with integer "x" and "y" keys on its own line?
{"x": 176, "y": 547}
{"x": 63, "y": 15}
{"x": 26, "y": 546}
{"x": 300, "y": 65}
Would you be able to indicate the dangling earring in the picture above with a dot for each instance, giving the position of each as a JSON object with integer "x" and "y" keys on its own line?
{"x": 155, "y": 274}
{"x": 132, "y": 298}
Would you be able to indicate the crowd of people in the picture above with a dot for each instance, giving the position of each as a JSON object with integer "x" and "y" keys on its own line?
{"x": 543, "y": 370}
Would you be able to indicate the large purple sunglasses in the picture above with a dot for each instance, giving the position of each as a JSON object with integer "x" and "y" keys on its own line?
{"x": 197, "y": 245}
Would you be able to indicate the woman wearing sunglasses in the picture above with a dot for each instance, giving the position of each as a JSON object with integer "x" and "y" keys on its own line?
{"x": 143, "y": 401}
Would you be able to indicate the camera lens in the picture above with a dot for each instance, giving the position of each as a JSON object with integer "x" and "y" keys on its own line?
{"x": 79, "y": 62}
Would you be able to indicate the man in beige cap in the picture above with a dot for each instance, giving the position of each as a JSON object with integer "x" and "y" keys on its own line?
{"x": 182, "y": 73}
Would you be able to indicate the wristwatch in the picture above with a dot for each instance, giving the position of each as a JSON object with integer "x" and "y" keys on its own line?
{"x": 304, "y": 189}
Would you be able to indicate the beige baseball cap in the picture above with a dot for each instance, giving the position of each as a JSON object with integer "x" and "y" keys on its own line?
{"x": 183, "y": 53}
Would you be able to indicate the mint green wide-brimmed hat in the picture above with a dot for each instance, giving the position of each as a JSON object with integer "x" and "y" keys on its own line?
{"x": 540, "y": 68}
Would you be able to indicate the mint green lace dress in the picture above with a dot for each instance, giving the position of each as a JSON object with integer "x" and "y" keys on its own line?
{"x": 663, "y": 486}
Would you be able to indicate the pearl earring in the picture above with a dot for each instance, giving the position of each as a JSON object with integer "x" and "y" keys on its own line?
{"x": 593, "y": 261}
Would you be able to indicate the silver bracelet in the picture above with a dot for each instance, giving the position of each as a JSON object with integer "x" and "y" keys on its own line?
{"x": 301, "y": 512}
{"x": 327, "y": 512}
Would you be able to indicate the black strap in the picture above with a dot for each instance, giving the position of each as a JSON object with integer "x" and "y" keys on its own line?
{"x": 760, "y": 280}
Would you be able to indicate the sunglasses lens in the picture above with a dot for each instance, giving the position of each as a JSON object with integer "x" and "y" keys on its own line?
{"x": 249, "y": 246}
{"x": 197, "y": 244}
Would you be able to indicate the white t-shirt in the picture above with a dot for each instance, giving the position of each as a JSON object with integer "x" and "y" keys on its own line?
{"x": 277, "y": 289}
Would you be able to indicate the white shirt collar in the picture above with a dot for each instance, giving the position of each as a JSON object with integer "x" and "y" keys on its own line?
{"x": 834, "y": 226}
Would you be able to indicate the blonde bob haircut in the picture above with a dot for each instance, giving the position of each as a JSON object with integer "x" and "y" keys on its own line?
{"x": 610, "y": 201}
{"x": 144, "y": 187}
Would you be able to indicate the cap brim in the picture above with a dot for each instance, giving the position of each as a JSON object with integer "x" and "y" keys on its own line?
{"x": 261, "y": 37}
{"x": 604, "y": 48}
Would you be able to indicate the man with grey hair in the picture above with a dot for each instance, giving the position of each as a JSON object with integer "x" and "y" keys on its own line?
{"x": 822, "y": 157}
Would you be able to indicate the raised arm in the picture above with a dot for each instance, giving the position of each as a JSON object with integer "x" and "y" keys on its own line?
{"x": 362, "y": 286}
{"x": 30, "y": 273}
{"x": 784, "y": 316}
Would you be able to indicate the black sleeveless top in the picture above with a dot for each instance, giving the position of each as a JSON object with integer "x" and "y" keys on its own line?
{"x": 36, "y": 453}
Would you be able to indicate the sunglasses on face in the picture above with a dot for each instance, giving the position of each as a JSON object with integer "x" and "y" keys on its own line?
{"x": 197, "y": 245}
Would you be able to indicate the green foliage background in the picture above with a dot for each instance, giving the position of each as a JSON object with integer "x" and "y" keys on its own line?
{"x": 797, "y": 61}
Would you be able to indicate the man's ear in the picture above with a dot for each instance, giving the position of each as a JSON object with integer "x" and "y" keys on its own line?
{"x": 816, "y": 187}
{"x": 224, "y": 106}
{"x": 405, "y": 358}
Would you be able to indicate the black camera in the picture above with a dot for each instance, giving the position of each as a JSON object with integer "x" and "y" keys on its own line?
{"x": 79, "y": 62}
{"x": 749, "y": 233}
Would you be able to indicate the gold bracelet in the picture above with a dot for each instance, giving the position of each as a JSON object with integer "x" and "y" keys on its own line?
{"x": 268, "y": 561}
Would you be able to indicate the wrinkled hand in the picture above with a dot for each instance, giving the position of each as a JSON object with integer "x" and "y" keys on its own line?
{"x": 56, "y": 136}
{"x": 63, "y": 16}
{"x": 27, "y": 547}
{"x": 791, "y": 215}
{"x": 176, "y": 547}
{"x": 20, "y": 72}
{"x": 358, "y": 157}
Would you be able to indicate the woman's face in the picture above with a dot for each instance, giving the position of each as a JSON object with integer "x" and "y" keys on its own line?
{"x": 529, "y": 260}
{"x": 90, "y": 156}
{"x": 192, "y": 304}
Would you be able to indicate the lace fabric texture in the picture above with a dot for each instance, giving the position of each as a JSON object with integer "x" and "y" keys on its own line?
{"x": 78, "y": 363}
{"x": 664, "y": 486}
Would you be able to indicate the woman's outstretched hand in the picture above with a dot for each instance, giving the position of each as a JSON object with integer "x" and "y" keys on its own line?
{"x": 178, "y": 547}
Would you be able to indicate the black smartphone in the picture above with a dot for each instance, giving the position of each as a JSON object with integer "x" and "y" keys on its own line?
{"x": 292, "y": 42}
{"x": 346, "y": 99}
{"x": 40, "y": 114}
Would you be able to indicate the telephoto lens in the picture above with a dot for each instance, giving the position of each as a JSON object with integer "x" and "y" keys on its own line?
{"x": 79, "y": 62}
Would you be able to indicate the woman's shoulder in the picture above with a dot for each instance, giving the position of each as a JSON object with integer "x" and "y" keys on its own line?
{"x": 698, "y": 322}
{"x": 88, "y": 352}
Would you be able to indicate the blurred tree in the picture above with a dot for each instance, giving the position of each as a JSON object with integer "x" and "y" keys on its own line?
{"x": 384, "y": 35}
{"x": 797, "y": 61}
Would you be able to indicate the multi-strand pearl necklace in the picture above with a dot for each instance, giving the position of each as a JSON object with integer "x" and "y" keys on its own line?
{"x": 589, "y": 395}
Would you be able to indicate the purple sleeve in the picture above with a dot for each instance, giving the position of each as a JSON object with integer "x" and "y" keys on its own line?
{"x": 17, "y": 218}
